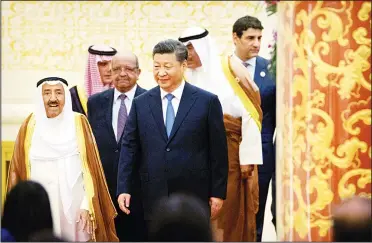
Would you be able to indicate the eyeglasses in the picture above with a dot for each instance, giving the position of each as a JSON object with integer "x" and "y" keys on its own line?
{"x": 127, "y": 69}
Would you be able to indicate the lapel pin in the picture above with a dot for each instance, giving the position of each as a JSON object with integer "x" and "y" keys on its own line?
{"x": 262, "y": 74}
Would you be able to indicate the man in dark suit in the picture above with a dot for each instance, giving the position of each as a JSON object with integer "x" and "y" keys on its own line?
{"x": 174, "y": 137}
{"x": 107, "y": 113}
{"x": 247, "y": 34}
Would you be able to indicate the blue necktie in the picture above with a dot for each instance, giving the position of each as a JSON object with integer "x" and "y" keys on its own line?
{"x": 169, "y": 118}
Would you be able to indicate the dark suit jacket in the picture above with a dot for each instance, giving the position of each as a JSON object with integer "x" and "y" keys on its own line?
{"x": 100, "y": 119}
{"x": 267, "y": 88}
{"x": 194, "y": 158}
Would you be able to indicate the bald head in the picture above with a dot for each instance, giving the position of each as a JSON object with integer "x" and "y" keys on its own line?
{"x": 352, "y": 220}
{"x": 125, "y": 70}
{"x": 126, "y": 55}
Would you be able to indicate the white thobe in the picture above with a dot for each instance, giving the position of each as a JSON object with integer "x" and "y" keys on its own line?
{"x": 56, "y": 178}
{"x": 250, "y": 148}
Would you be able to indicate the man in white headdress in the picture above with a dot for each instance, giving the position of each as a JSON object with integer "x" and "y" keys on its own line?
{"x": 56, "y": 148}
{"x": 98, "y": 76}
{"x": 240, "y": 101}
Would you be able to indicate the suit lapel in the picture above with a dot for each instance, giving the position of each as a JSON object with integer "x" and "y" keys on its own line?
{"x": 260, "y": 67}
{"x": 110, "y": 99}
{"x": 187, "y": 100}
{"x": 157, "y": 111}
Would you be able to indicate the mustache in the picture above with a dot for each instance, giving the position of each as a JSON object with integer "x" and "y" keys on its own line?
{"x": 53, "y": 103}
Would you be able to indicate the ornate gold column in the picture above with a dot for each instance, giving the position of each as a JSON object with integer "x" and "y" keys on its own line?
{"x": 323, "y": 113}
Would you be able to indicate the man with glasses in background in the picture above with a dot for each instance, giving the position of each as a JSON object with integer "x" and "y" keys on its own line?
{"x": 107, "y": 115}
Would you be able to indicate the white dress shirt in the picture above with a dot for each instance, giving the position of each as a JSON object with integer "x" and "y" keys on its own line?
{"x": 252, "y": 65}
{"x": 116, "y": 106}
{"x": 175, "y": 101}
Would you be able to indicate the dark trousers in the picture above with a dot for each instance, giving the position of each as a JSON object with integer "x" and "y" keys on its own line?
{"x": 266, "y": 172}
{"x": 147, "y": 230}
{"x": 130, "y": 227}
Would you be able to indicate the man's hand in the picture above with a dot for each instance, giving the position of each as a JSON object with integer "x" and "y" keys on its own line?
{"x": 246, "y": 171}
{"x": 124, "y": 202}
{"x": 85, "y": 221}
{"x": 216, "y": 205}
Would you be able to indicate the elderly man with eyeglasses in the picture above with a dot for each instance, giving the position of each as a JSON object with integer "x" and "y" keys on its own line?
{"x": 107, "y": 115}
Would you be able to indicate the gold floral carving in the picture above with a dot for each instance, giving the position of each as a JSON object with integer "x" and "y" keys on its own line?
{"x": 314, "y": 141}
{"x": 363, "y": 113}
{"x": 346, "y": 189}
{"x": 365, "y": 12}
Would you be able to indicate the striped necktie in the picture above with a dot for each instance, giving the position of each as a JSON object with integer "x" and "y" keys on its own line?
{"x": 122, "y": 117}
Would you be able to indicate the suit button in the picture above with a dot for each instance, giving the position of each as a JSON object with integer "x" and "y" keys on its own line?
{"x": 168, "y": 149}
{"x": 116, "y": 151}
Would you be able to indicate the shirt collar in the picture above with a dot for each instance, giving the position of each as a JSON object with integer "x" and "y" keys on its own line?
{"x": 177, "y": 92}
{"x": 251, "y": 61}
{"x": 130, "y": 94}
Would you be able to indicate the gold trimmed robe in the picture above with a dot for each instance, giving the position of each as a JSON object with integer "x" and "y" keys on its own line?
{"x": 100, "y": 205}
{"x": 237, "y": 219}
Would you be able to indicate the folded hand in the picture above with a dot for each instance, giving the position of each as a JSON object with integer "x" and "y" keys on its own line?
{"x": 85, "y": 221}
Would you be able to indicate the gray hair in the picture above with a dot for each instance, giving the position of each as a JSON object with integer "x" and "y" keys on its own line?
{"x": 171, "y": 46}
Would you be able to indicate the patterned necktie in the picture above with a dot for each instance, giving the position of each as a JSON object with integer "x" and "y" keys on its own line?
{"x": 245, "y": 64}
{"x": 169, "y": 118}
{"x": 122, "y": 117}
